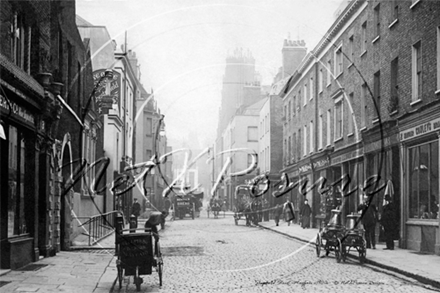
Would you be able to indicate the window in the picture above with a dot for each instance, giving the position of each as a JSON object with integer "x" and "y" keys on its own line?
{"x": 416, "y": 71}
{"x": 288, "y": 111}
{"x": 364, "y": 37}
{"x": 299, "y": 144}
{"x": 350, "y": 50}
{"x": 350, "y": 115}
{"x": 289, "y": 154}
{"x": 16, "y": 182}
{"x": 338, "y": 118}
{"x": 299, "y": 101}
{"x": 305, "y": 141}
{"x": 414, "y": 3}
{"x": 423, "y": 182}
{"x": 364, "y": 95}
{"x": 285, "y": 151}
{"x": 329, "y": 72}
{"x": 293, "y": 106}
{"x": 294, "y": 147}
{"x": 311, "y": 143}
{"x": 20, "y": 42}
{"x": 320, "y": 130}
{"x": 394, "y": 10}
{"x": 329, "y": 119}
{"x": 320, "y": 80}
{"x": 376, "y": 94}
{"x": 149, "y": 126}
{"x": 377, "y": 21}
{"x": 394, "y": 96}
{"x": 312, "y": 86}
{"x": 438, "y": 59}
{"x": 305, "y": 95}
{"x": 338, "y": 61}
{"x": 285, "y": 113}
{"x": 252, "y": 133}
{"x": 249, "y": 159}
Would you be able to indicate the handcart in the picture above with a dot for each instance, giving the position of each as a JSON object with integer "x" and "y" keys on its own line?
{"x": 244, "y": 206}
{"x": 138, "y": 252}
{"x": 329, "y": 237}
{"x": 354, "y": 237}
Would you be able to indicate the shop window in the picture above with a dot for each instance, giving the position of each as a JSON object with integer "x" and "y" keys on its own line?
{"x": 16, "y": 182}
{"x": 423, "y": 171}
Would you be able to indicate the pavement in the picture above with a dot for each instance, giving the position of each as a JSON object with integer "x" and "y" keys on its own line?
{"x": 93, "y": 269}
{"x": 423, "y": 267}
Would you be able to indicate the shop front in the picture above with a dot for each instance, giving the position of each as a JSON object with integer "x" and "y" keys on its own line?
{"x": 347, "y": 167}
{"x": 419, "y": 141}
{"x": 19, "y": 184}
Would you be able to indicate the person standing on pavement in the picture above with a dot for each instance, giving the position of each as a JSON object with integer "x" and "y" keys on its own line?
{"x": 278, "y": 211}
{"x": 136, "y": 210}
{"x": 389, "y": 223}
{"x": 289, "y": 216}
{"x": 305, "y": 213}
{"x": 369, "y": 219}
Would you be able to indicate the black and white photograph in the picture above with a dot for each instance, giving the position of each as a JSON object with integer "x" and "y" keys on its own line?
{"x": 218, "y": 146}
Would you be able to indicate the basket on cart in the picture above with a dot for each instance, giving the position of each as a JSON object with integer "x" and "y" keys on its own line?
{"x": 354, "y": 238}
{"x": 138, "y": 254}
{"x": 329, "y": 237}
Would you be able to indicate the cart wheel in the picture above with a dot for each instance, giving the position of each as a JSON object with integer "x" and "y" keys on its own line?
{"x": 120, "y": 271}
{"x": 318, "y": 245}
{"x": 338, "y": 251}
{"x": 137, "y": 280}
{"x": 159, "y": 270}
{"x": 362, "y": 256}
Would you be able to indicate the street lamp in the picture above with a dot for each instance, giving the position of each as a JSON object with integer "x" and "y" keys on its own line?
{"x": 159, "y": 131}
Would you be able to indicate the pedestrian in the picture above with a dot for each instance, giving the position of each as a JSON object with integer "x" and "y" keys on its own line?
{"x": 369, "y": 220}
{"x": 305, "y": 213}
{"x": 136, "y": 210}
{"x": 389, "y": 223}
{"x": 278, "y": 211}
{"x": 288, "y": 208}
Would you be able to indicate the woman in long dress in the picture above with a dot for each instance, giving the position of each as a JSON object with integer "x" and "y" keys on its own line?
{"x": 305, "y": 213}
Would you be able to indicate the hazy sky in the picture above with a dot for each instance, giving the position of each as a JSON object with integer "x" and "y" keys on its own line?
{"x": 182, "y": 45}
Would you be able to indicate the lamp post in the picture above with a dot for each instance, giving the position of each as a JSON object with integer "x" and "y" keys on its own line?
{"x": 158, "y": 132}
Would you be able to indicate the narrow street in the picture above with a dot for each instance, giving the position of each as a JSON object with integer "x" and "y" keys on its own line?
{"x": 215, "y": 255}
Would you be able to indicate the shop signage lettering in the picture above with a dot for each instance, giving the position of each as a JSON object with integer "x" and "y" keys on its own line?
{"x": 420, "y": 130}
{"x": 321, "y": 163}
{"x": 17, "y": 110}
{"x": 305, "y": 168}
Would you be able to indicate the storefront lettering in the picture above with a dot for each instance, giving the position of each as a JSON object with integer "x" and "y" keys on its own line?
{"x": 321, "y": 163}
{"x": 305, "y": 168}
{"x": 17, "y": 110}
{"x": 420, "y": 130}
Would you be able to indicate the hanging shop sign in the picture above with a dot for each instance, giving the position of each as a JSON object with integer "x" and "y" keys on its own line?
{"x": 107, "y": 87}
{"x": 16, "y": 110}
{"x": 421, "y": 129}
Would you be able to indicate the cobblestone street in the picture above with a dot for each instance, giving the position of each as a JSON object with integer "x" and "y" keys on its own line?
{"x": 215, "y": 255}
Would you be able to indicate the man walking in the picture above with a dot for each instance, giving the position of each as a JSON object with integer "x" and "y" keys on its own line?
{"x": 136, "y": 210}
{"x": 305, "y": 213}
{"x": 369, "y": 219}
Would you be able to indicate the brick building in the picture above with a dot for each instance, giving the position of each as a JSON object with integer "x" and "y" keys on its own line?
{"x": 365, "y": 102}
{"x": 44, "y": 79}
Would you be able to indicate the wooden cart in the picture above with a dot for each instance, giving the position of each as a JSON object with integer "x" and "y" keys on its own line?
{"x": 138, "y": 254}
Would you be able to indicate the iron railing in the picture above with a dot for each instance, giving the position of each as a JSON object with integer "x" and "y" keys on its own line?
{"x": 99, "y": 226}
